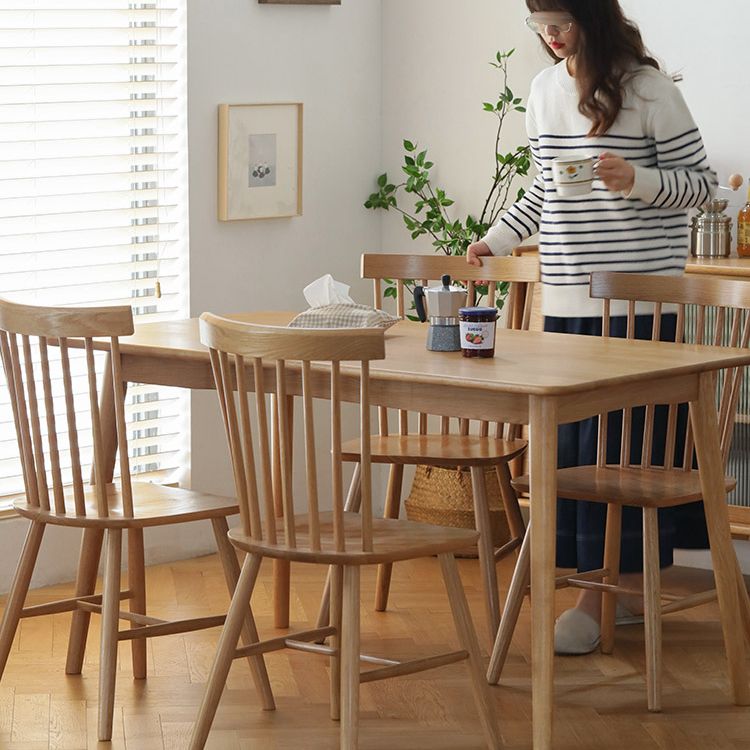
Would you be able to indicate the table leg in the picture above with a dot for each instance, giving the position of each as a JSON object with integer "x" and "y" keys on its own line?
{"x": 543, "y": 492}
{"x": 706, "y": 436}
{"x": 108, "y": 422}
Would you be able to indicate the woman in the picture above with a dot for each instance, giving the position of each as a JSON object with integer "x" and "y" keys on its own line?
{"x": 605, "y": 97}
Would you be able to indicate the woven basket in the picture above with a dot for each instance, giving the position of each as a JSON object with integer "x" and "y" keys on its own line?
{"x": 443, "y": 497}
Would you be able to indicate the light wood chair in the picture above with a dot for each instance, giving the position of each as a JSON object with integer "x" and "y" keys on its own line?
{"x": 472, "y": 448}
{"x": 40, "y": 382}
{"x": 709, "y": 311}
{"x": 248, "y": 357}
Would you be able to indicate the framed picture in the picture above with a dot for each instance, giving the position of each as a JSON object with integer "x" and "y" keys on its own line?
{"x": 300, "y": 2}
{"x": 260, "y": 161}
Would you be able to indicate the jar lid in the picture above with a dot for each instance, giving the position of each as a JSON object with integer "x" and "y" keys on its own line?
{"x": 477, "y": 311}
{"x": 711, "y": 221}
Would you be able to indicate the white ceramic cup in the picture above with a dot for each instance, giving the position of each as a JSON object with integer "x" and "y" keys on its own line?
{"x": 573, "y": 174}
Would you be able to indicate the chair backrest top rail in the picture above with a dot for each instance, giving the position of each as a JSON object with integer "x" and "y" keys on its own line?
{"x": 403, "y": 266}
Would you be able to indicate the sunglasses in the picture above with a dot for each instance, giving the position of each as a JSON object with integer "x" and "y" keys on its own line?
{"x": 542, "y": 27}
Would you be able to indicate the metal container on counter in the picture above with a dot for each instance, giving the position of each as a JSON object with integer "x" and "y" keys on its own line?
{"x": 711, "y": 231}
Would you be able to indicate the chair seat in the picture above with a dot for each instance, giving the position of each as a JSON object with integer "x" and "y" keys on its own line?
{"x": 154, "y": 505}
{"x": 650, "y": 488}
{"x": 436, "y": 450}
{"x": 393, "y": 540}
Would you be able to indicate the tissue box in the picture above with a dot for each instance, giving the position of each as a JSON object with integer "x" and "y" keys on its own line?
{"x": 343, "y": 316}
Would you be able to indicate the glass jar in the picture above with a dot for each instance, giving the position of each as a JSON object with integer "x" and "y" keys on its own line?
{"x": 477, "y": 331}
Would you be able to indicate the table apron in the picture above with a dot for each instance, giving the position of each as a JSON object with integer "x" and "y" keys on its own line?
{"x": 656, "y": 390}
{"x": 432, "y": 398}
{"x": 167, "y": 371}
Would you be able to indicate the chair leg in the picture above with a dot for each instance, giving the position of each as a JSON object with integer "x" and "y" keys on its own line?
{"x": 468, "y": 639}
{"x": 349, "y": 652}
{"x": 392, "y": 510}
{"x": 511, "y": 610}
{"x": 137, "y": 585}
{"x": 88, "y": 567}
{"x": 109, "y": 633}
{"x": 231, "y": 569}
{"x": 510, "y": 501}
{"x": 744, "y": 601}
{"x": 652, "y": 606}
{"x": 337, "y": 583}
{"x": 18, "y": 590}
{"x": 230, "y": 636}
{"x": 706, "y": 435}
{"x": 612, "y": 544}
{"x": 486, "y": 548}
{"x": 352, "y": 504}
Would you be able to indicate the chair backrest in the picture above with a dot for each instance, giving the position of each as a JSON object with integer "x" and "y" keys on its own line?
{"x": 496, "y": 277}
{"x": 709, "y": 311}
{"x": 247, "y": 357}
{"x": 34, "y": 342}
{"x": 510, "y": 277}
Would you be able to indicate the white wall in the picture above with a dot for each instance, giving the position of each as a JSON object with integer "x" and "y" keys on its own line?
{"x": 436, "y": 75}
{"x": 329, "y": 58}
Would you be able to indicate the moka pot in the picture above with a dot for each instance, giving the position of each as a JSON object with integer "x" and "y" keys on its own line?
{"x": 443, "y": 303}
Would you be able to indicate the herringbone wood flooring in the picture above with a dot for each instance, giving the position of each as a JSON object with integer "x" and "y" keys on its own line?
{"x": 600, "y": 700}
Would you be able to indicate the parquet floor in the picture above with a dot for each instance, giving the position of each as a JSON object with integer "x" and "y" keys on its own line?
{"x": 600, "y": 700}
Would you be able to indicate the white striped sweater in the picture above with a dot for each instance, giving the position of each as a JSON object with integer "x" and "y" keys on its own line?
{"x": 645, "y": 231}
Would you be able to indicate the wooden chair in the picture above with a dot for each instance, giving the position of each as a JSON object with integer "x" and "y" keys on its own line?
{"x": 414, "y": 445}
{"x": 250, "y": 358}
{"x": 40, "y": 382}
{"x": 709, "y": 311}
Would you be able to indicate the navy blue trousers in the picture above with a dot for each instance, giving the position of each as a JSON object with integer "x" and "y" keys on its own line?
{"x": 581, "y": 525}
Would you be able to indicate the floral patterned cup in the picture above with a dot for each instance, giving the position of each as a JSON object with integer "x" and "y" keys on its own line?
{"x": 573, "y": 175}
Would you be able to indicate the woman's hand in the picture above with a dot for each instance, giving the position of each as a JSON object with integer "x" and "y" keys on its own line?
{"x": 617, "y": 174}
{"x": 475, "y": 251}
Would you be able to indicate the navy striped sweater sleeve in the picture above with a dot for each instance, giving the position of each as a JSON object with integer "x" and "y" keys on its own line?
{"x": 682, "y": 177}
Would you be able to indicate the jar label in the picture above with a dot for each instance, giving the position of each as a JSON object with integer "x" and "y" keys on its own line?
{"x": 477, "y": 335}
{"x": 743, "y": 233}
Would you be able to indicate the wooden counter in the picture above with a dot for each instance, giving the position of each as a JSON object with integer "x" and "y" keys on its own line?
{"x": 731, "y": 267}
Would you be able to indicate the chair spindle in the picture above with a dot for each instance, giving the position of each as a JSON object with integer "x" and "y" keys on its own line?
{"x": 312, "y": 473}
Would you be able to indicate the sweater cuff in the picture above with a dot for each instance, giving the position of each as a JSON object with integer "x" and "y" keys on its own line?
{"x": 647, "y": 185}
{"x": 501, "y": 240}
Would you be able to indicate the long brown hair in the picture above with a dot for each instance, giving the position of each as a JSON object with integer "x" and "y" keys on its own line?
{"x": 608, "y": 45}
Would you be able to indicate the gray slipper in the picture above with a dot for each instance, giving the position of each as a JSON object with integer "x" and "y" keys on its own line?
{"x": 624, "y": 616}
{"x": 576, "y": 633}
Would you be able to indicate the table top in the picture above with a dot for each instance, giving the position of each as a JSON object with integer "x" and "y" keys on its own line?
{"x": 528, "y": 362}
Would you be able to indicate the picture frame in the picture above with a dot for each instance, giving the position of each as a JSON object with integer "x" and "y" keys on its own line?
{"x": 260, "y": 161}
{"x": 300, "y": 2}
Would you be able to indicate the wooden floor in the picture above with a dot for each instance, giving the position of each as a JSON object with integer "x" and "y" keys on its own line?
{"x": 601, "y": 700}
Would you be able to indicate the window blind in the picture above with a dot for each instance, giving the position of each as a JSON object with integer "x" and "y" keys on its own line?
{"x": 93, "y": 184}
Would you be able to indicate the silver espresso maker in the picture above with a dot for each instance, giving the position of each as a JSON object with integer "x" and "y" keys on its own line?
{"x": 443, "y": 303}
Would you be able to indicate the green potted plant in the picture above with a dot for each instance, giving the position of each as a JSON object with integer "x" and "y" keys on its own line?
{"x": 428, "y": 212}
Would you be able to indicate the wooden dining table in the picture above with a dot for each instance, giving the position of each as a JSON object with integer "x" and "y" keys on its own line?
{"x": 535, "y": 378}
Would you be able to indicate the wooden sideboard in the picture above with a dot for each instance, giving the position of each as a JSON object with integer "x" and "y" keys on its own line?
{"x": 739, "y": 461}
